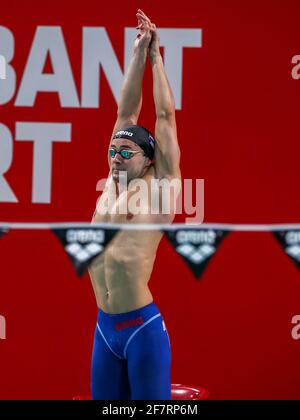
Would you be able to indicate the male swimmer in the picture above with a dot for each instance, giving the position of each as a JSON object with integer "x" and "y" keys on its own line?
{"x": 131, "y": 355}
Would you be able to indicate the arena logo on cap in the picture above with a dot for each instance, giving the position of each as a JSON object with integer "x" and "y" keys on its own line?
{"x": 2, "y": 328}
{"x": 124, "y": 133}
{"x": 2, "y": 67}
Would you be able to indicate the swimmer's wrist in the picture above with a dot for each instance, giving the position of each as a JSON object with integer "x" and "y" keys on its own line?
{"x": 141, "y": 53}
{"x": 155, "y": 57}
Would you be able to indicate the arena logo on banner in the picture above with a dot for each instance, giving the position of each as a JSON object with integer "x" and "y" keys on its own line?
{"x": 290, "y": 242}
{"x": 196, "y": 246}
{"x": 97, "y": 55}
{"x": 83, "y": 245}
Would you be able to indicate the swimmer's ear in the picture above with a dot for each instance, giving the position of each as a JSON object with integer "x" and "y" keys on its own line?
{"x": 149, "y": 162}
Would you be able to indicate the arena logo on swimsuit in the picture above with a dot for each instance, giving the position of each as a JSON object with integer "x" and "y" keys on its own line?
{"x": 129, "y": 323}
{"x": 2, "y": 328}
{"x": 97, "y": 54}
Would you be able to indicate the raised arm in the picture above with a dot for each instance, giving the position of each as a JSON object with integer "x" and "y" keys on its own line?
{"x": 167, "y": 152}
{"x": 130, "y": 103}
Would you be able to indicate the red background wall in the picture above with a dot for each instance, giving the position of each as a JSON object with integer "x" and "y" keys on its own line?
{"x": 239, "y": 130}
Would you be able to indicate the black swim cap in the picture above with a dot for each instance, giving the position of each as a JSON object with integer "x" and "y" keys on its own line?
{"x": 139, "y": 135}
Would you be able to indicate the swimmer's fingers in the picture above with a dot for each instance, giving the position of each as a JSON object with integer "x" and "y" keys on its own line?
{"x": 143, "y": 18}
{"x": 140, "y": 22}
{"x": 142, "y": 14}
{"x": 144, "y": 37}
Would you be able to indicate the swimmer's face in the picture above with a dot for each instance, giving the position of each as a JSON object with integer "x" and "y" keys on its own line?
{"x": 134, "y": 167}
